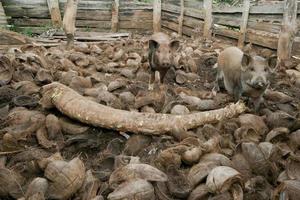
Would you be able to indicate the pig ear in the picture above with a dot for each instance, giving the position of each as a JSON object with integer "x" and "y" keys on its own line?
{"x": 153, "y": 44}
{"x": 246, "y": 61}
{"x": 174, "y": 45}
{"x": 272, "y": 61}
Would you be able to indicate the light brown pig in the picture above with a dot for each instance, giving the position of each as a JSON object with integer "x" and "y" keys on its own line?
{"x": 161, "y": 54}
{"x": 244, "y": 74}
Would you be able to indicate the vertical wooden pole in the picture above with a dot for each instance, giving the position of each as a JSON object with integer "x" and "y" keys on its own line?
{"x": 156, "y": 16}
{"x": 207, "y": 4}
{"x": 288, "y": 30}
{"x": 243, "y": 26}
{"x": 54, "y": 10}
{"x": 69, "y": 21}
{"x": 115, "y": 16}
{"x": 180, "y": 18}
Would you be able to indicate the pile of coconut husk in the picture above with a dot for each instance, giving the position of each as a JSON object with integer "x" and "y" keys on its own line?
{"x": 82, "y": 124}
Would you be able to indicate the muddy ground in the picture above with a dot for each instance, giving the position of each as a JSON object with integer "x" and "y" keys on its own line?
{"x": 46, "y": 155}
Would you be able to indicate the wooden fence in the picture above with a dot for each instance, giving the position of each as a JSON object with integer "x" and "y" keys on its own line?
{"x": 262, "y": 24}
{"x": 92, "y": 15}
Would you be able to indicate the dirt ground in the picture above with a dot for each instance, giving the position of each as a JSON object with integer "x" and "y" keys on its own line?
{"x": 46, "y": 155}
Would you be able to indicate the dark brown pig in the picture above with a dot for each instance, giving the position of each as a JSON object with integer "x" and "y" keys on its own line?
{"x": 161, "y": 54}
{"x": 244, "y": 74}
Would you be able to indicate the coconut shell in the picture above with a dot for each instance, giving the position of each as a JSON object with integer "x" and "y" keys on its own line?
{"x": 136, "y": 143}
{"x": 256, "y": 158}
{"x": 277, "y": 134}
{"x": 11, "y": 183}
{"x": 65, "y": 178}
{"x": 89, "y": 187}
{"x": 221, "y": 178}
{"x": 199, "y": 193}
{"x": 137, "y": 189}
{"x": 293, "y": 169}
{"x": 135, "y": 171}
{"x": 289, "y": 189}
{"x": 178, "y": 184}
{"x": 255, "y": 122}
{"x": 192, "y": 155}
{"x": 38, "y": 185}
{"x": 217, "y": 158}
{"x": 199, "y": 172}
{"x": 6, "y": 70}
{"x": 71, "y": 127}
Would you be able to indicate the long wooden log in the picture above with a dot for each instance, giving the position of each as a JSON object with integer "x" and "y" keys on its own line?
{"x": 80, "y": 108}
{"x": 69, "y": 21}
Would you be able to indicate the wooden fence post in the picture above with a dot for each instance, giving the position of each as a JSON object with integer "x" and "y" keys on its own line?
{"x": 156, "y": 16}
{"x": 207, "y": 4}
{"x": 69, "y": 21}
{"x": 54, "y": 10}
{"x": 243, "y": 26}
{"x": 288, "y": 30}
{"x": 115, "y": 16}
{"x": 180, "y": 18}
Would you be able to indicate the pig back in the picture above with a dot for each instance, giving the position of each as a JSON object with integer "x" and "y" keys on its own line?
{"x": 161, "y": 38}
{"x": 229, "y": 62}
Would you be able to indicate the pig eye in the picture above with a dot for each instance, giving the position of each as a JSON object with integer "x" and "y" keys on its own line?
{"x": 169, "y": 51}
{"x": 251, "y": 68}
{"x": 266, "y": 69}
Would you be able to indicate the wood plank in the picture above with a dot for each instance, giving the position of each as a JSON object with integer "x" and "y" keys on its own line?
{"x": 288, "y": 30}
{"x": 156, "y": 15}
{"x": 208, "y": 19}
{"x": 115, "y": 16}
{"x": 54, "y": 10}
{"x": 188, "y": 11}
{"x": 256, "y": 37}
{"x": 243, "y": 27}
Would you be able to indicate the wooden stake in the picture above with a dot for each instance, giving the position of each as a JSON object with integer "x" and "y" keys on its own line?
{"x": 243, "y": 26}
{"x": 115, "y": 16}
{"x": 180, "y": 18}
{"x": 54, "y": 10}
{"x": 288, "y": 30}
{"x": 207, "y": 4}
{"x": 69, "y": 21}
{"x": 156, "y": 16}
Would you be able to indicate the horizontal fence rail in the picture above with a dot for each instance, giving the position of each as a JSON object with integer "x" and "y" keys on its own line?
{"x": 92, "y": 15}
{"x": 260, "y": 24}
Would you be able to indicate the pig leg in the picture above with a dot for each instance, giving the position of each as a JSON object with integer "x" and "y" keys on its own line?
{"x": 151, "y": 80}
{"x": 219, "y": 79}
{"x": 162, "y": 73}
{"x": 257, "y": 102}
{"x": 237, "y": 93}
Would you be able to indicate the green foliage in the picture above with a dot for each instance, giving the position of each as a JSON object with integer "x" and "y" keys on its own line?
{"x": 27, "y": 31}
{"x": 87, "y": 29}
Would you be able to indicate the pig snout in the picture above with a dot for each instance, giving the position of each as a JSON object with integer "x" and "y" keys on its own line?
{"x": 259, "y": 82}
{"x": 165, "y": 64}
